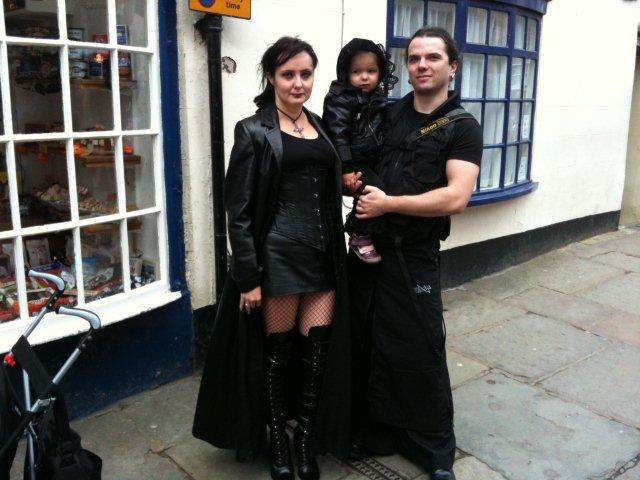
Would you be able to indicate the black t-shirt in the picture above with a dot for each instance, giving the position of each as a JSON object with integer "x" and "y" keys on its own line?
{"x": 414, "y": 164}
{"x": 466, "y": 138}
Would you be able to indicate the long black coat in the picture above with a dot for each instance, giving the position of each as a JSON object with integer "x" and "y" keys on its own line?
{"x": 232, "y": 403}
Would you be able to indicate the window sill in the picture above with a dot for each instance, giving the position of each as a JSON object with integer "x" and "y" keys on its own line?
{"x": 110, "y": 310}
{"x": 494, "y": 196}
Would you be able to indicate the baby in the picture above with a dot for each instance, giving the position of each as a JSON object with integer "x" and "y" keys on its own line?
{"x": 354, "y": 111}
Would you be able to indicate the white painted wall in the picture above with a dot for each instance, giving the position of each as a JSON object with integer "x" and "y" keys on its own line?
{"x": 583, "y": 104}
{"x": 630, "y": 214}
{"x": 585, "y": 79}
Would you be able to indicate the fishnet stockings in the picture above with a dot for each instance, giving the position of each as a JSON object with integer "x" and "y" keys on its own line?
{"x": 314, "y": 309}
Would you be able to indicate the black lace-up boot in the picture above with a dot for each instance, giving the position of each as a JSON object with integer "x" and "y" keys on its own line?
{"x": 279, "y": 351}
{"x": 314, "y": 359}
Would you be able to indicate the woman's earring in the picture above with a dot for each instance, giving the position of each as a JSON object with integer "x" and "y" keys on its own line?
{"x": 453, "y": 75}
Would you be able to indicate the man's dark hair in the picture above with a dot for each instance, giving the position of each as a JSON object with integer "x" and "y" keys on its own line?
{"x": 437, "y": 32}
{"x": 277, "y": 54}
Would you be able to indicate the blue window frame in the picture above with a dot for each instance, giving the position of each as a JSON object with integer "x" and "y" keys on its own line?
{"x": 499, "y": 42}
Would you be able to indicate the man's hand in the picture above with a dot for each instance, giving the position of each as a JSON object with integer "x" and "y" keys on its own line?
{"x": 351, "y": 181}
{"x": 372, "y": 203}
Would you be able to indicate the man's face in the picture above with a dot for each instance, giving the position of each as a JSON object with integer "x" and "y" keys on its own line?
{"x": 428, "y": 65}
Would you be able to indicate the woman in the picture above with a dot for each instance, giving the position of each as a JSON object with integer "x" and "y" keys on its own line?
{"x": 286, "y": 294}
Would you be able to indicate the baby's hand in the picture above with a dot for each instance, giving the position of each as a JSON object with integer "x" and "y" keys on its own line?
{"x": 351, "y": 181}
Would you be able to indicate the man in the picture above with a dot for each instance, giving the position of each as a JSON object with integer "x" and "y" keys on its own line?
{"x": 429, "y": 166}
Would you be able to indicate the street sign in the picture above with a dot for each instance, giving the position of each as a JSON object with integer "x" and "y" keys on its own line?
{"x": 229, "y": 8}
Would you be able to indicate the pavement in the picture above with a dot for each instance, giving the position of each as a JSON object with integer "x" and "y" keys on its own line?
{"x": 545, "y": 366}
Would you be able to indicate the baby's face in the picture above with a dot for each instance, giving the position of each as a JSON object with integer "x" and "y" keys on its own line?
{"x": 364, "y": 72}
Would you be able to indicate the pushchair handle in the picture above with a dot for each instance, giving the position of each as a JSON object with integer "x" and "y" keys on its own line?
{"x": 57, "y": 281}
{"x": 90, "y": 317}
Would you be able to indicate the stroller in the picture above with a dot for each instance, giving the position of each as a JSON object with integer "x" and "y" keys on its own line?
{"x": 53, "y": 449}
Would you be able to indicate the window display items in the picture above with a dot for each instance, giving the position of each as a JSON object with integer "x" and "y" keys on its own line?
{"x": 124, "y": 58}
{"x": 76, "y": 34}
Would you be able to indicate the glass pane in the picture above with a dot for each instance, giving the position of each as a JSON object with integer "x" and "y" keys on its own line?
{"x": 101, "y": 260}
{"x": 134, "y": 93}
{"x": 516, "y": 78}
{"x": 442, "y": 15}
{"x": 532, "y": 30}
{"x": 5, "y": 203}
{"x": 144, "y": 260}
{"x": 132, "y": 22}
{"x": 526, "y": 121}
{"x": 475, "y": 109}
{"x": 472, "y": 75}
{"x": 529, "y": 77}
{"x": 408, "y": 17}
{"x": 9, "y": 308}
{"x": 496, "y": 77}
{"x": 36, "y": 97}
{"x": 510, "y": 166}
{"x": 520, "y": 27}
{"x": 96, "y": 177}
{"x": 499, "y": 29}
{"x": 43, "y": 184}
{"x": 477, "y": 25}
{"x": 403, "y": 86}
{"x": 490, "y": 168}
{"x": 524, "y": 162}
{"x": 493, "y": 125}
{"x": 87, "y": 20}
{"x": 138, "y": 173}
{"x": 514, "y": 122}
{"x": 50, "y": 253}
{"x": 91, "y": 99}
{"x": 29, "y": 18}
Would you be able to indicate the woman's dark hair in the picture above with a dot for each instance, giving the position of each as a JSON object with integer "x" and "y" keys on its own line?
{"x": 442, "y": 34}
{"x": 280, "y": 52}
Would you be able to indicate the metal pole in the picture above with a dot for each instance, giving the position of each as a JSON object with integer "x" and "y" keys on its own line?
{"x": 210, "y": 27}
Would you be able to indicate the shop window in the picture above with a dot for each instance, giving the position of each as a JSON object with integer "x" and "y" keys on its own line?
{"x": 81, "y": 187}
{"x": 496, "y": 81}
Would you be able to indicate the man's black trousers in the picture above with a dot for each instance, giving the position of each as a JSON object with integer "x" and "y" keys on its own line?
{"x": 408, "y": 392}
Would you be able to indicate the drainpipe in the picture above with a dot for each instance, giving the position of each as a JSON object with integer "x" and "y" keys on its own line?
{"x": 210, "y": 27}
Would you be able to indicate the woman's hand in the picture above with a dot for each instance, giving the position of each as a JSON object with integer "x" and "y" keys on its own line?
{"x": 251, "y": 299}
{"x": 351, "y": 181}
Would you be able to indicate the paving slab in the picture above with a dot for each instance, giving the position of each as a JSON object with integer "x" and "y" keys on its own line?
{"x": 528, "y": 434}
{"x": 530, "y": 346}
{"x": 467, "y": 311}
{"x": 204, "y": 462}
{"x": 470, "y": 468}
{"x": 149, "y": 411}
{"x": 567, "y": 273}
{"x": 627, "y": 244}
{"x": 608, "y": 383}
{"x": 462, "y": 368}
{"x": 125, "y": 452}
{"x": 619, "y": 260}
{"x": 621, "y": 292}
{"x": 501, "y": 285}
{"x": 586, "y": 250}
{"x": 631, "y": 474}
{"x": 581, "y": 312}
{"x": 401, "y": 465}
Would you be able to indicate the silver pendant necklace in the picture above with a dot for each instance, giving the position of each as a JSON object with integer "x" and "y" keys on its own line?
{"x": 296, "y": 128}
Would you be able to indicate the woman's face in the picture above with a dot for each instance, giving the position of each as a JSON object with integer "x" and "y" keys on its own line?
{"x": 293, "y": 81}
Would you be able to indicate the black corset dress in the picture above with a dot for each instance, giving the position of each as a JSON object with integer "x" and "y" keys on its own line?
{"x": 296, "y": 256}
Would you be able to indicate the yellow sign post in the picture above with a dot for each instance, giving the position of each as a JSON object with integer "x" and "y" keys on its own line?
{"x": 229, "y": 8}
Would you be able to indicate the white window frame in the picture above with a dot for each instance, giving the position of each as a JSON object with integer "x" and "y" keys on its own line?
{"x": 130, "y": 302}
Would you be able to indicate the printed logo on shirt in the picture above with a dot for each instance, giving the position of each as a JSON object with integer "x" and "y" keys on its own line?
{"x": 422, "y": 289}
{"x": 433, "y": 126}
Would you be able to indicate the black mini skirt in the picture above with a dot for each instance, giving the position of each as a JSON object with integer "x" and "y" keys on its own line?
{"x": 290, "y": 267}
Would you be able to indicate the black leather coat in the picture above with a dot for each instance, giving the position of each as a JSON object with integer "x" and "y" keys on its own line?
{"x": 355, "y": 120}
{"x": 231, "y": 409}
